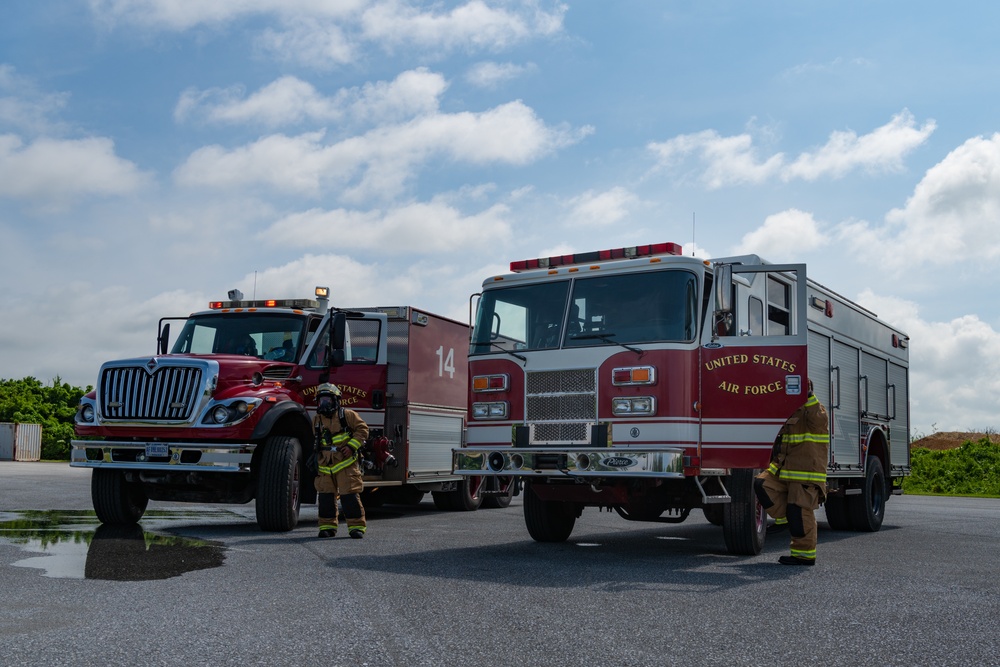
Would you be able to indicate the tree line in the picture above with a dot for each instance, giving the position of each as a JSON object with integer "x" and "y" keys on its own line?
{"x": 29, "y": 401}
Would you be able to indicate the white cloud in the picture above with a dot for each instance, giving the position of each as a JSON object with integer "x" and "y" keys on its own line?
{"x": 470, "y": 26}
{"x": 321, "y": 33}
{"x": 289, "y": 100}
{"x": 834, "y": 66}
{"x": 184, "y": 15}
{"x": 601, "y": 209}
{"x": 422, "y": 228}
{"x": 883, "y": 149}
{"x": 954, "y": 367}
{"x": 491, "y": 74}
{"x": 727, "y": 161}
{"x": 312, "y": 42}
{"x": 783, "y": 237}
{"x": 952, "y": 214}
{"x": 24, "y": 107}
{"x": 352, "y": 283}
{"x": 55, "y": 171}
{"x": 382, "y": 161}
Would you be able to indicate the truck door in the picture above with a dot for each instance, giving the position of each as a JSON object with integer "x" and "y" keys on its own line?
{"x": 753, "y": 362}
{"x": 362, "y": 379}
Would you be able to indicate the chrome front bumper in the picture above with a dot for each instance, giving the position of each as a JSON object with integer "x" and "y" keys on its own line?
{"x": 169, "y": 456}
{"x": 665, "y": 462}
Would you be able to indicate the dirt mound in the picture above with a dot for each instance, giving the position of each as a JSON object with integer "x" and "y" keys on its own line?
{"x": 952, "y": 439}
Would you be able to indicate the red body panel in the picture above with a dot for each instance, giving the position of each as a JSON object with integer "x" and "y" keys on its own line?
{"x": 438, "y": 362}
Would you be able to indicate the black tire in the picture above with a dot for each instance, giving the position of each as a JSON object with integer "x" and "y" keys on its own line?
{"x": 116, "y": 500}
{"x": 547, "y": 520}
{"x": 373, "y": 498}
{"x": 714, "y": 513}
{"x": 503, "y": 500}
{"x": 467, "y": 497}
{"x": 836, "y": 513}
{"x": 443, "y": 500}
{"x": 867, "y": 509}
{"x": 744, "y": 522}
{"x": 409, "y": 495}
{"x": 278, "y": 482}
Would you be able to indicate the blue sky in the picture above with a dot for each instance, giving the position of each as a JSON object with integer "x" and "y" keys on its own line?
{"x": 156, "y": 153}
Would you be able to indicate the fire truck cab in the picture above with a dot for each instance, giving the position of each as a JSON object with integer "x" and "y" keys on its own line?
{"x": 650, "y": 383}
{"x": 226, "y": 415}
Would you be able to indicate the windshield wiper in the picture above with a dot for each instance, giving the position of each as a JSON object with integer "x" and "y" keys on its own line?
{"x": 510, "y": 352}
{"x": 607, "y": 338}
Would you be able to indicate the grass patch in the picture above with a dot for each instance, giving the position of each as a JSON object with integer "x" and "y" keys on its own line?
{"x": 973, "y": 469}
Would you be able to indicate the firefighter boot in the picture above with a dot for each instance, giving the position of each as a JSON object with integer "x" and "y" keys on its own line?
{"x": 795, "y": 560}
{"x": 327, "y": 533}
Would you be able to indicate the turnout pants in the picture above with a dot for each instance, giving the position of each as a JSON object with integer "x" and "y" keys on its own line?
{"x": 796, "y": 501}
{"x": 346, "y": 484}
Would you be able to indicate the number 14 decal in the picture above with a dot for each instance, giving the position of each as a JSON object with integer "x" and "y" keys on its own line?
{"x": 446, "y": 362}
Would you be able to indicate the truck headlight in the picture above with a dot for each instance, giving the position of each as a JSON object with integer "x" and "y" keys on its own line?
{"x": 86, "y": 414}
{"x": 634, "y": 405}
{"x": 220, "y": 415}
{"x": 229, "y": 413}
{"x": 493, "y": 410}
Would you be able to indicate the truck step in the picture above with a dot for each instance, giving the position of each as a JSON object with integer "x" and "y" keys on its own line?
{"x": 716, "y": 500}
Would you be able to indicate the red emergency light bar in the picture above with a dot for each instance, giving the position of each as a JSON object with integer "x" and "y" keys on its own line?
{"x": 597, "y": 256}
{"x": 267, "y": 303}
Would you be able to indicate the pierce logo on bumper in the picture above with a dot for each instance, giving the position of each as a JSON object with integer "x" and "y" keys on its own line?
{"x": 617, "y": 462}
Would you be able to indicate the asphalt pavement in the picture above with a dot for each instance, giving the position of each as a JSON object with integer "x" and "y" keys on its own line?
{"x": 202, "y": 585}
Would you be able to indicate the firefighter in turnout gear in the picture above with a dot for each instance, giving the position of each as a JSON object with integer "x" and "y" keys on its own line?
{"x": 794, "y": 484}
{"x": 339, "y": 436}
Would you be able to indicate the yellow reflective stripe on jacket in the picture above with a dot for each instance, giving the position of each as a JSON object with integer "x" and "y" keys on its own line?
{"x": 799, "y": 438}
{"x": 802, "y": 476}
{"x": 345, "y": 438}
{"x": 340, "y": 438}
{"x": 773, "y": 469}
{"x": 338, "y": 466}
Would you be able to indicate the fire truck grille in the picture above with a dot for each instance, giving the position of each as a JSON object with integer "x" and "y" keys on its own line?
{"x": 561, "y": 405}
{"x": 131, "y": 393}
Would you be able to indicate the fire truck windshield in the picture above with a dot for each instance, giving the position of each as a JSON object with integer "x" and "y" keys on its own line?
{"x": 615, "y": 309}
{"x": 276, "y": 337}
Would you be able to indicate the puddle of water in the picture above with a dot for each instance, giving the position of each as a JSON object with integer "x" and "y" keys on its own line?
{"x": 75, "y": 545}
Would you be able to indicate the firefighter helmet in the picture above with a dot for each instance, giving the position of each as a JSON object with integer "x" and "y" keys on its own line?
{"x": 327, "y": 399}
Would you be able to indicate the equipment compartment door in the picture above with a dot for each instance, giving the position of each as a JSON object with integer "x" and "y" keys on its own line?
{"x": 754, "y": 365}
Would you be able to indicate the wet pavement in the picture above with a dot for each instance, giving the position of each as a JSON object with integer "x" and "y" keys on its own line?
{"x": 202, "y": 584}
{"x": 73, "y": 544}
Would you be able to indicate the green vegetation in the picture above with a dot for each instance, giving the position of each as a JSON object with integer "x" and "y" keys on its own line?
{"x": 970, "y": 470}
{"x": 28, "y": 401}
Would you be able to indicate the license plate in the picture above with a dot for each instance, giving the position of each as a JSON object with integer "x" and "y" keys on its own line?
{"x": 156, "y": 449}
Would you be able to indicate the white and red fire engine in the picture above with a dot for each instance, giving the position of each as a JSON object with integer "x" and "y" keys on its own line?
{"x": 226, "y": 415}
{"x": 652, "y": 383}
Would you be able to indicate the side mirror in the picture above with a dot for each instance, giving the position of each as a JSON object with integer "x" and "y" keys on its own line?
{"x": 163, "y": 340}
{"x": 723, "y": 288}
{"x": 723, "y": 320}
{"x": 337, "y": 342}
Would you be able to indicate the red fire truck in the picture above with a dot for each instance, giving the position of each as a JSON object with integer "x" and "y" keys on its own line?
{"x": 226, "y": 415}
{"x": 644, "y": 381}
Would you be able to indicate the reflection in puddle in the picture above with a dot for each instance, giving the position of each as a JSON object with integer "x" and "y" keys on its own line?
{"x": 75, "y": 545}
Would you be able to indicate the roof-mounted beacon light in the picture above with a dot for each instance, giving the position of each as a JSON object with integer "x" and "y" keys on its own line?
{"x": 323, "y": 298}
{"x": 631, "y": 252}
